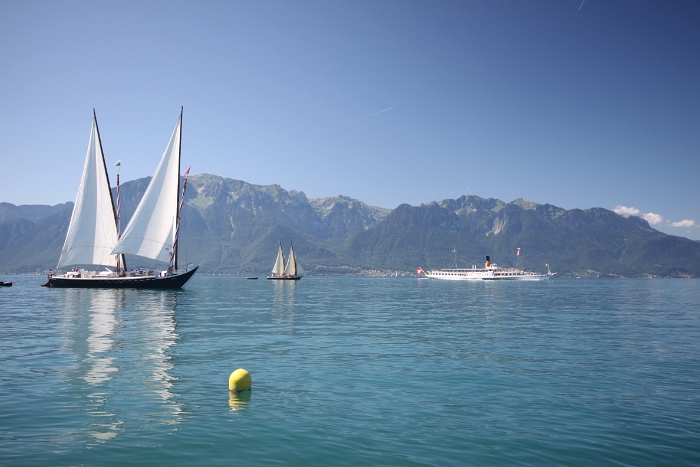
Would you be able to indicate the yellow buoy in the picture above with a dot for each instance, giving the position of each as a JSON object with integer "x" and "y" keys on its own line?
{"x": 240, "y": 380}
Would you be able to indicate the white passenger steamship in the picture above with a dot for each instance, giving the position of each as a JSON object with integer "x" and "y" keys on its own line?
{"x": 490, "y": 271}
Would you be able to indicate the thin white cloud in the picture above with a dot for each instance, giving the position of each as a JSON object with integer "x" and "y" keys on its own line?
{"x": 650, "y": 217}
{"x": 683, "y": 223}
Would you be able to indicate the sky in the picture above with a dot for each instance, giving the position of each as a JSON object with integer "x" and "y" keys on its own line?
{"x": 579, "y": 104}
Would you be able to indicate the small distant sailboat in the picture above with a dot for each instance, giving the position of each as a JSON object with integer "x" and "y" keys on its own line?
{"x": 93, "y": 235}
{"x": 282, "y": 272}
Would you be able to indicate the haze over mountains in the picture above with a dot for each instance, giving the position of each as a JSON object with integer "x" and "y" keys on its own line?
{"x": 234, "y": 227}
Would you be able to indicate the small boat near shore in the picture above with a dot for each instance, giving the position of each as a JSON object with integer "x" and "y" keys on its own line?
{"x": 489, "y": 272}
{"x": 5, "y": 284}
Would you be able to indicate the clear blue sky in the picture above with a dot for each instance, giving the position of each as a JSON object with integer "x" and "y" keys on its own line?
{"x": 574, "y": 104}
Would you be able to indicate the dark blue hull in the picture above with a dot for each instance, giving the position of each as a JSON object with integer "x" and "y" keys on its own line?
{"x": 150, "y": 282}
{"x": 284, "y": 278}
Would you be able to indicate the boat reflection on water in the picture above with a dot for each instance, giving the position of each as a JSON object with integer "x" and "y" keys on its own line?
{"x": 284, "y": 303}
{"x": 158, "y": 336}
{"x": 92, "y": 318}
{"x": 121, "y": 341}
{"x": 103, "y": 322}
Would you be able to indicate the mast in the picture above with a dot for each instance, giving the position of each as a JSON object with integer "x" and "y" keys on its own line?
{"x": 176, "y": 243}
{"x": 119, "y": 209}
{"x": 111, "y": 198}
{"x": 121, "y": 259}
{"x": 177, "y": 215}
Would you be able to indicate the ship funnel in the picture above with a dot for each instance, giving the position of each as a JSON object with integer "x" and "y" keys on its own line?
{"x": 488, "y": 261}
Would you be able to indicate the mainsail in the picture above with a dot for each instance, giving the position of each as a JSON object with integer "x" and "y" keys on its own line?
{"x": 291, "y": 268}
{"x": 278, "y": 268}
{"x": 152, "y": 229}
{"x": 92, "y": 233}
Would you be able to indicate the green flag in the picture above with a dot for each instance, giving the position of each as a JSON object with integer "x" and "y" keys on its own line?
{"x": 119, "y": 163}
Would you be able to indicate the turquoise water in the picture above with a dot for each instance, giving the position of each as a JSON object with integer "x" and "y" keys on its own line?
{"x": 352, "y": 371}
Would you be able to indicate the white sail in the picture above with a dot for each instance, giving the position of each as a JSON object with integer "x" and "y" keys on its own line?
{"x": 151, "y": 231}
{"x": 291, "y": 268}
{"x": 278, "y": 268}
{"x": 92, "y": 233}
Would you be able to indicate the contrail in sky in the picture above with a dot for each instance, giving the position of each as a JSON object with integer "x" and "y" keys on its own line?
{"x": 584, "y": 1}
{"x": 375, "y": 113}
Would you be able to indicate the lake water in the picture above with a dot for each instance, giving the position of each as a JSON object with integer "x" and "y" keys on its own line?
{"x": 352, "y": 371}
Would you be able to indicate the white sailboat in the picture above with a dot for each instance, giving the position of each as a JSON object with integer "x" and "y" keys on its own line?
{"x": 153, "y": 231}
{"x": 280, "y": 271}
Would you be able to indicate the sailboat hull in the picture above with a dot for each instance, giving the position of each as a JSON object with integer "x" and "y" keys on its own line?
{"x": 137, "y": 282}
{"x": 284, "y": 278}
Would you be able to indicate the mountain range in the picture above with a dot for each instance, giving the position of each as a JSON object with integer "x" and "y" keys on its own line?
{"x": 234, "y": 227}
